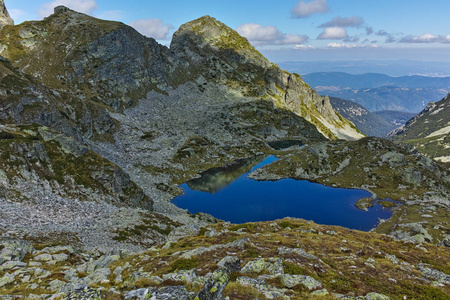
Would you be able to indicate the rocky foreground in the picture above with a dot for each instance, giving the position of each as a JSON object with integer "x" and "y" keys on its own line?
{"x": 94, "y": 146}
{"x": 285, "y": 259}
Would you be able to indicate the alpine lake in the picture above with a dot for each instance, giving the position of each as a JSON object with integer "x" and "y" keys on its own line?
{"x": 228, "y": 194}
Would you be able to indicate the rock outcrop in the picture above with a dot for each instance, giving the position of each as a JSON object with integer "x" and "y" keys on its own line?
{"x": 5, "y": 19}
{"x": 258, "y": 265}
{"x": 222, "y": 56}
{"x": 429, "y": 131}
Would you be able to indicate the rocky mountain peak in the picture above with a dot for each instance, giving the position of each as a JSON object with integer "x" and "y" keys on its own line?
{"x": 5, "y": 19}
{"x": 207, "y": 31}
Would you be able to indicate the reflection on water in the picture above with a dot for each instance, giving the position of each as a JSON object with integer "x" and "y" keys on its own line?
{"x": 283, "y": 144}
{"x": 228, "y": 194}
{"x": 215, "y": 179}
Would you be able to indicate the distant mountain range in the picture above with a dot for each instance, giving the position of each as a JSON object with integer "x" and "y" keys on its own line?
{"x": 378, "y": 92}
{"x": 370, "y": 123}
{"x": 388, "y": 67}
{"x": 395, "y": 118}
{"x": 429, "y": 131}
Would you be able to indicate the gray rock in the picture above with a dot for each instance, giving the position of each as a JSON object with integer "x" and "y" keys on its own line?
{"x": 39, "y": 273}
{"x": 99, "y": 276}
{"x": 43, "y": 257}
{"x": 140, "y": 294}
{"x": 7, "y": 279}
{"x": 183, "y": 275}
{"x": 392, "y": 258}
{"x": 434, "y": 274}
{"x": 255, "y": 266}
{"x": 198, "y": 251}
{"x": 9, "y": 265}
{"x": 230, "y": 263}
{"x": 213, "y": 288}
{"x": 290, "y": 281}
{"x": 394, "y": 159}
{"x": 118, "y": 271}
{"x": 320, "y": 293}
{"x": 163, "y": 293}
{"x": 14, "y": 249}
{"x": 256, "y": 283}
{"x": 106, "y": 260}
{"x": 57, "y": 249}
{"x": 56, "y": 285}
{"x": 5, "y": 19}
{"x": 60, "y": 257}
{"x": 376, "y": 296}
{"x": 275, "y": 266}
{"x": 85, "y": 293}
{"x": 298, "y": 251}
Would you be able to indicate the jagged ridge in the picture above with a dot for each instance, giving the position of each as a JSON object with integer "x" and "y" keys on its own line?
{"x": 110, "y": 63}
{"x": 429, "y": 131}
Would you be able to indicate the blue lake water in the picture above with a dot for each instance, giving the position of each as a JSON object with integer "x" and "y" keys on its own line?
{"x": 227, "y": 194}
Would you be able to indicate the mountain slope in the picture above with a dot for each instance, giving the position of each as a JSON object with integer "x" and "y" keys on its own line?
{"x": 110, "y": 63}
{"x": 429, "y": 131}
{"x": 229, "y": 58}
{"x": 369, "y": 123}
{"x": 395, "y": 118}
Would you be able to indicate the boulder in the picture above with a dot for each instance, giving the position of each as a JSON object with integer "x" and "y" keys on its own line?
{"x": 290, "y": 281}
{"x": 14, "y": 249}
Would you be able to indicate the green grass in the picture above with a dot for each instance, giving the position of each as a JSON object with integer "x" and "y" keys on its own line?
{"x": 184, "y": 264}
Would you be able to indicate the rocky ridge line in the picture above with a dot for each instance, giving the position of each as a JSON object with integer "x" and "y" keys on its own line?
{"x": 5, "y": 19}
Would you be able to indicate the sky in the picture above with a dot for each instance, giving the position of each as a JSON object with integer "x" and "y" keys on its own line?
{"x": 286, "y": 30}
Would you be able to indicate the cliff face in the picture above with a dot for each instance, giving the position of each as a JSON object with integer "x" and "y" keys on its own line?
{"x": 220, "y": 54}
{"x": 5, "y": 19}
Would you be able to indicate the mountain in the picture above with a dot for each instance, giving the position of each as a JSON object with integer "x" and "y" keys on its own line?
{"x": 5, "y": 19}
{"x": 374, "y": 80}
{"x": 378, "y": 92}
{"x": 429, "y": 131}
{"x": 371, "y": 124}
{"x": 395, "y": 118}
{"x": 161, "y": 115}
{"x": 396, "y": 68}
{"x": 202, "y": 52}
{"x": 99, "y": 127}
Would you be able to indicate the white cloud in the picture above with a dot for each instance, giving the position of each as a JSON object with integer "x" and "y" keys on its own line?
{"x": 303, "y": 47}
{"x": 333, "y": 33}
{"x": 305, "y": 9}
{"x": 154, "y": 28}
{"x": 350, "y": 46}
{"x": 16, "y": 13}
{"x": 343, "y": 22}
{"x": 268, "y": 35}
{"x": 84, "y": 6}
{"x": 425, "y": 38}
{"x": 110, "y": 15}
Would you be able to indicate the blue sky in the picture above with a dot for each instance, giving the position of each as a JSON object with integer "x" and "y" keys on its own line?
{"x": 287, "y": 29}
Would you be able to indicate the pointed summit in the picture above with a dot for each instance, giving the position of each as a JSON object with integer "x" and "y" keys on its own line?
{"x": 5, "y": 19}
{"x": 209, "y": 31}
